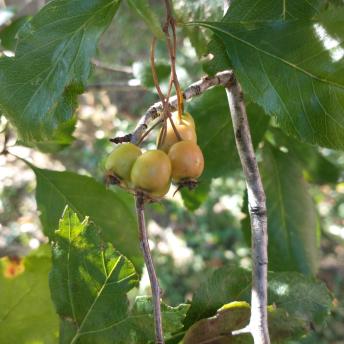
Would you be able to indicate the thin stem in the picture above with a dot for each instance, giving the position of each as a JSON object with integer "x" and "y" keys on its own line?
{"x": 163, "y": 99}
{"x": 195, "y": 89}
{"x": 172, "y": 49}
{"x": 143, "y": 235}
{"x": 149, "y": 130}
{"x": 154, "y": 72}
{"x": 258, "y": 325}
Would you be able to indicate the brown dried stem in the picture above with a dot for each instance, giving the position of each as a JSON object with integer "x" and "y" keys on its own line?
{"x": 195, "y": 89}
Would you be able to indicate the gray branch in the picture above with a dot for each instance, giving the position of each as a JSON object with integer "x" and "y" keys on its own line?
{"x": 112, "y": 68}
{"x": 119, "y": 86}
{"x": 196, "y": 89}
{"x": 258, "y": 325}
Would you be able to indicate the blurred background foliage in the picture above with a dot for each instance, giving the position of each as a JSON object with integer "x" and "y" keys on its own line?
{"x": 191, "y": 235}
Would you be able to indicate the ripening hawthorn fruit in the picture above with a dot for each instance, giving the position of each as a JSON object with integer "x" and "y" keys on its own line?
{"x": 187, "y": 161}
{"x": 185, "y": 129}
{"x": 162, "y": 192}
{"x": 151, "y": 172}
{"x": 121, "y": 160}
{"x": 186, "y": 119}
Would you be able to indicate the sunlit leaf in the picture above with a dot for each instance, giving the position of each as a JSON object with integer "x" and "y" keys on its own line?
{"x": 187, "y": 11}
{"x": 302, "y": 85}
{"x": 89, "y": 283}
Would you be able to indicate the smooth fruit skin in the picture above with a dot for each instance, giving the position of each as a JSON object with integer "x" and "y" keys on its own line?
{"x": 162, "y": 192}
{"x": 121, "y": 160}
{"x": 151, "y": 171}
{"x": 187, "y": 160}
{"x": 186, "y": 131}
{"x": 186, "y": 119}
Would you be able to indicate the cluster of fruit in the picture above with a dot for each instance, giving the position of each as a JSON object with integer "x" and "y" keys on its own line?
{"x": 177, "y": 159}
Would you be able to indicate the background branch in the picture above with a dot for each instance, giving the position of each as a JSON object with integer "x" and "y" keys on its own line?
{"x": 258, "y": 325}
{"x": 112, "y": 68}
{"x": 118, "y": 86}
{"x": 143, "y": 236}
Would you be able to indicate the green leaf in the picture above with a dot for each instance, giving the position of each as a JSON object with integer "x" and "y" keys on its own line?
{"x": 144, "y": 10}
{"x": 215, "y": 131}
{"x": 317, "y": 169}
{"x": 218, "y": 59}
{"x": 225, "y": 285}
{"x": 26, "y": 312}
{"x": 88, "y": 282}
{"x": 8, "y": 35}
{"x": 193, "y": 199}
{"x": 61, "y": 139}
{"x": 301, "y": 300}
{"x": 217, "y": 329}
{"x": 139, "y": 325}
{"x": 301, "y": 84}
{"x": 255, "y": 10}
{"x": 235, "y": 316}
{"x": 52, "y": 64}
{"x": 110, "y": 212}
{"x": 302, "y": 297}
{"x": 292, "y": 218}
{"x": 187, "y": 11}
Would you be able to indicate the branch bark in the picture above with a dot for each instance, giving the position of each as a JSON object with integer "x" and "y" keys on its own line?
{"x": 118, "y": 86}
{"x": 143, "y": 236}
{"x": 258, "y": 325}
{"x": 195, "y": 89}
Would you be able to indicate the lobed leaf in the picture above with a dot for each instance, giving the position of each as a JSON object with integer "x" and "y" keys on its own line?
{"x": 89, "y": 284}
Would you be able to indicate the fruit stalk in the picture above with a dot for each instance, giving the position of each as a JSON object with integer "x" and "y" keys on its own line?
{"x": 258, "y": 326}
{"x": 143, "y": 236}
{"x": 195, "y": 89}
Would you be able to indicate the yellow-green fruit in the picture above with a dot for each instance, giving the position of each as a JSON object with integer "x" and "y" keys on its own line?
{"x": 187, "y": 160}
{"x": 151, "y": 171}
{"x": 121, "y": 160}
{"x": 186, "y": 131}
{"x": 186, "y": 119}
{"x": 162, "y": 192}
